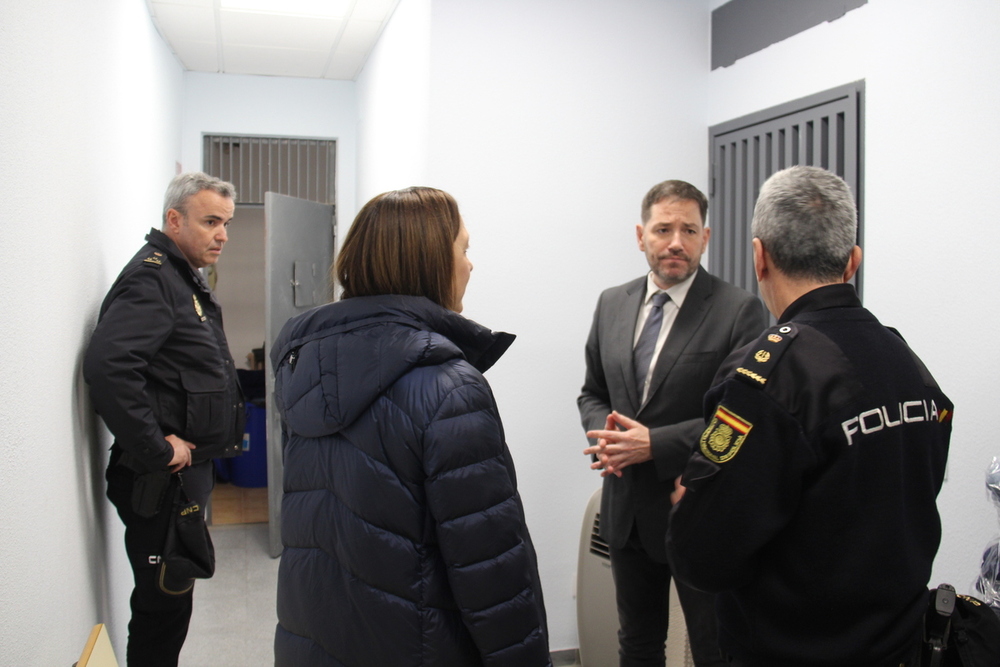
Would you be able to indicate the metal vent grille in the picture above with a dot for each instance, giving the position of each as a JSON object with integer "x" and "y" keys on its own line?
{"x": 301, "y": 168}
{"x": 598, "y": 547}
{"x": 822, "y": 130}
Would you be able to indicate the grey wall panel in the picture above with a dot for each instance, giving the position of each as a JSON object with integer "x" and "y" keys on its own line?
{"x": 823, "y": 130}
{"x": 742, "y": 27}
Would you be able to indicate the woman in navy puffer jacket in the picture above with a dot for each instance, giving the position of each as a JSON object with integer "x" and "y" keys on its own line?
{"x": 404, "y": 534}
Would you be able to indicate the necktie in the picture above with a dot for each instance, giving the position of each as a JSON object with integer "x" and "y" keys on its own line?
{"x": 642, "y": 354}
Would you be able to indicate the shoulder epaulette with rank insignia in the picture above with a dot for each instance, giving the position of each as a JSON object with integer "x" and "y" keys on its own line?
{"x": 764, "y": 354}
{"x": 156, "y": 259}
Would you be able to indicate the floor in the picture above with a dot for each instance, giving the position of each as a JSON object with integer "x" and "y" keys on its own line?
{"x": 234, "y": 612}
{"x": 236, "y": 504}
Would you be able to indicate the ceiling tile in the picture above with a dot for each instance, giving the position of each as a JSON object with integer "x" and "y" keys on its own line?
{"x": 271, "y": 30}
{"x": 274, "y": 62}
{"x": 345, "y": 66}
{"x": 373, "y": 10}
{"x": 190, "y": 3}
{"x": 183, "y": 22}
{"x": 316, "y": 8}
{"x": 359, "y": 36}
{"x": 259, "y": 42}
{"x": 197, "y": 56}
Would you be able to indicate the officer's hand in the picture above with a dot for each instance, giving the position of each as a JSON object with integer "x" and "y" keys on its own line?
{"x": 623, "y": 447}
{"x": 182, "y": 452}
{"x": 678, "y": 491}
{"x": 598, "y": 450}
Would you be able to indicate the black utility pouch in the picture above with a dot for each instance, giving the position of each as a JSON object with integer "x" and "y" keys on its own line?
{"x": 959, "y": 631}
{"x": 148, "y": 491}
{"x": 188, "y": 553}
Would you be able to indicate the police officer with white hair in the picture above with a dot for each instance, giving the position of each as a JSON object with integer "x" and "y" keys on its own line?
{"x": 162, "y": 377}
{"x": 809, "y": 503}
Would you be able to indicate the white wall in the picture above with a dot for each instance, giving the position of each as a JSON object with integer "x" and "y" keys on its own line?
{"x": 932, "y": 72}
{"x": 89, "y": 134}
{"x": 393, "y": 105}
{"x": 548, "y": 126}
{"x": 274, "y": 106}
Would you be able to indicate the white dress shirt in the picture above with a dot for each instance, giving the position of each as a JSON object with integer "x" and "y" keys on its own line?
{"x": 677, "y": 294}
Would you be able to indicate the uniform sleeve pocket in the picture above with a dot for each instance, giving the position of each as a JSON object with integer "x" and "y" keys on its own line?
{"x": 206, "y": 415}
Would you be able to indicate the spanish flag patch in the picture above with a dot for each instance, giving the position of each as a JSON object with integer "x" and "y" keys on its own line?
{"x": 724, "y": 435}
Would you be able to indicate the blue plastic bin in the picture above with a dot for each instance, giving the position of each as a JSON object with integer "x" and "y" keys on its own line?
{"x": 250, "y": 469}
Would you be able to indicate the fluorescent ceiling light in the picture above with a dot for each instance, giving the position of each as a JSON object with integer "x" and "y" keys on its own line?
{"x": 332, "y": 9}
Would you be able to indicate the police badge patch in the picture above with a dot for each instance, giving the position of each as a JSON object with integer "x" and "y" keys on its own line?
{"x": 197, "y": 308}
{"x": 724, "y": 435}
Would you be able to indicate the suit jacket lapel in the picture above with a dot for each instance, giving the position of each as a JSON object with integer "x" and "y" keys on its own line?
{"x": 624, "y": 334}
{"x": 689, "y": 318}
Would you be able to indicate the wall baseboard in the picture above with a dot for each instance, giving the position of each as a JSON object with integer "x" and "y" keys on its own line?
{"x": 565, "y": 657}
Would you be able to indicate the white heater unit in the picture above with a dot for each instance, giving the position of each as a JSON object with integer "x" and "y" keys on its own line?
{"x": 596, "y": 609}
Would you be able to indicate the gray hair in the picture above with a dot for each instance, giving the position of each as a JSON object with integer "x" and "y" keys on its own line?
{"x": 673, "y": 190}
{"x": 189, "y": 184}
{"x": 806, "y": 220}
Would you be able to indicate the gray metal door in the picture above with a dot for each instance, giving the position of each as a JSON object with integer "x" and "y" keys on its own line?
{"x": 300, "y": 239}
{"x": 823, "y": 130}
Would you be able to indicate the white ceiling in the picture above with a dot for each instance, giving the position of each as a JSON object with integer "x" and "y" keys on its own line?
{"x": 321, "y": 39}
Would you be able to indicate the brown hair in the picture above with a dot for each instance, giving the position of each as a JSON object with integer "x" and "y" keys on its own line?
{"x": 674, "y": 190}
{"x": 402, "y": 242}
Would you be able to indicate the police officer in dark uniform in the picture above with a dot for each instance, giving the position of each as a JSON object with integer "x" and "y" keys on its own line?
{"x": 162, "y": 377}
{"x": 809, "y": 504}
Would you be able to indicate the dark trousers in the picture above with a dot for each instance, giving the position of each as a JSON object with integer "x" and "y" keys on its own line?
{"x": 159, "y": 621}
{"x": 642, "y": 588}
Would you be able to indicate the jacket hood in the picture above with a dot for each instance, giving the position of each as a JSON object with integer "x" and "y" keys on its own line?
{"x": 332, "y": 362}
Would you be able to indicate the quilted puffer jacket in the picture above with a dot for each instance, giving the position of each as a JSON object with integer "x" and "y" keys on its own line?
{"x": 404, "y": 534}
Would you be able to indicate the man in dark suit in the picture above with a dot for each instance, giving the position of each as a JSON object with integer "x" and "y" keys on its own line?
{"x": 655, "y": 345}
